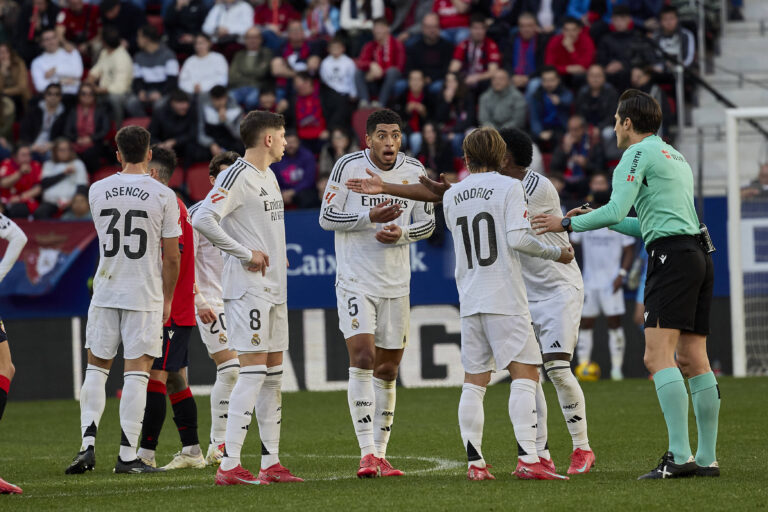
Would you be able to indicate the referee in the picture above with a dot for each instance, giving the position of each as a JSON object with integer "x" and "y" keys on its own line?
{"x": 654, "y": 178}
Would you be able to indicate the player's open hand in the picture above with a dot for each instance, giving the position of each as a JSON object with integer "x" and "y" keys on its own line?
{"x": 369, "y": 186}
{"x": 385, "y": 212}
{"x": 578, "y": 211}
{"x": 206, "y": 315}
{"x": 566, "y": 255}
{"x": 436, "y": 187}
{"x": 389, "y": 234}
{"x": 545, "y": 223}
{"x": 259, "y": 262}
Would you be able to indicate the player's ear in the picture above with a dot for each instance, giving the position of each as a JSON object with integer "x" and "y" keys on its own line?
{"x": 268, "y": 140}
{"x": 119, "y": 158}
{"x": 149, "y": 155}
{"x": 368, "y": 140}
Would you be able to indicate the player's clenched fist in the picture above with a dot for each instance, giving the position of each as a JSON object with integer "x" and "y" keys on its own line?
{"x": 566, "y": 255}
{"x": 385, "y": 212}
{"x": 389, "y": 234}
{"x": 259, "y": 262}
{"x": 207, "y": 315}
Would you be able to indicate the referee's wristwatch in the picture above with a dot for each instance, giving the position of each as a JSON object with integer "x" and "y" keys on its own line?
{"x": 566, "y": 223}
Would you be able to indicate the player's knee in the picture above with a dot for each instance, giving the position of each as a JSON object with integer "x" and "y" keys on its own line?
{"x": 175, "y": 383}
{"x": 386, "y": 371}
{"x": 478, "y": 379}
{"x": 362, "y": 359}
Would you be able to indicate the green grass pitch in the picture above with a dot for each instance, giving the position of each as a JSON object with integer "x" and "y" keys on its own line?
{"x": 626, "y": 428}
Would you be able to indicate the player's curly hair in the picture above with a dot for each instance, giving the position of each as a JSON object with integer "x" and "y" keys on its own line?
{"x": 484, "y": 150}
{"x": 519, "y": 146}
{"x": 383, "y": 116}
{"x": 225, "y": 158}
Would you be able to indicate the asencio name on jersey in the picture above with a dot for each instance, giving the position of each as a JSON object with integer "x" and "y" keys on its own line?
{"x": 126, "y": 191}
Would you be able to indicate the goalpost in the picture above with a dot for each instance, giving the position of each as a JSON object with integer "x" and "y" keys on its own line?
{"x": 747, "y": 257}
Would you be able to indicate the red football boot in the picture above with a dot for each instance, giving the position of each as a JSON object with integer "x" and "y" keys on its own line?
{"x": 369, "y": 467}
{"x": 237, "y": 476}
{"x": 548, "y": 464}
{"x": 6, "y": 488}
{"x": 278, "y": 474}
{"x": 581, "y": 461}
{"x": 386, "y": 469}
{"x": 476, "y": 473}
{"x": 535, "y": 471}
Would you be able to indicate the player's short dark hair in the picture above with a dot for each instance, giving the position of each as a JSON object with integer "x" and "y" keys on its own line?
{"x": 477, "y": 18}
{"x": 667, "y": 9}
{"x": 484, "y": 149}
{"x": 111, "y": 37}
{"x": 573, "y": 21}
{"x": 133, "y": 144}
{"x": 383, "y": 116}
{"x": 178, "y": 96}
{"x": 218, "y": 91}
{"x": 519, "y": 145}
{"x": 548, "y": 69}
{"x": 642, "y": 109}
{"x": 225, "y": 158}
{"x": 164, "y": 160}
{"x": 150, "y": 32}
{"x": 255, "y": 122}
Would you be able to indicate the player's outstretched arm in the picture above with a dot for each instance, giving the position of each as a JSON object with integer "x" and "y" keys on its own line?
{"x": 629, "y": 226}
{"x": 16, "y": 242}
{"x": 524, "y": 241}
{"x": 427, "y": 190}
{"x": 171, "y": 266}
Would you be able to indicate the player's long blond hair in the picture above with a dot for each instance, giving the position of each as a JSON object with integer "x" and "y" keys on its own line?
{"x": 484, "y": 150}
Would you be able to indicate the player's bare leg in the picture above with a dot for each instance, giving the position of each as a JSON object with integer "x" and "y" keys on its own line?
{"x": 385, "y": 369}
{"x": 227, "y": 369}
{"x": 7, "y": 372}
{"x": 93, "y": 397}
{"x": 616, "y": 346}
{"x": 361, "y": 399}
{"x": 471, "y": 421}
{"x": 584, "y": 346}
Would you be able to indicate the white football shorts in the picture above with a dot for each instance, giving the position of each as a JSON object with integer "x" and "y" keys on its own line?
{"x": 141, "y": 332}
{"x": 214, "y": 335}
{"x": 387, "y": 319}
{"x": 556, "y": 320}
{"x": 490, "y": 342}
{"x": 603, "y": 300}
{"x": 256, "y": 325}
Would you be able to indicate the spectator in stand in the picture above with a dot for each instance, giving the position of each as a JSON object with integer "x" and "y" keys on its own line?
{"x": 249, "y": 71}
{"x": 380, "y": 65}
{"x": 502, "y": 105}
{"x": 273, "y": 16}
{"x": 155, "y": 73}
{"x": 623, "y": 47}
{"x": 79, "y": 24}
{"x": 228, "y": 21}
{"x": 269, "y": 103}
{"x": 549, "y": 107}
{"x": 306, "y": 114}
{"x": 525, "y": 54}
{"x": 571, "y": 52}
{"x": 757, "y": 190}
{"x": 435, "y": 153}
{"x": 14, "y": 81}
{"x": 20, "y": 188}
{"x": 321, "y": 20}
{"x": 43, "y": 123}
{"x": 174, "y": 127}
{"x": 676, "y": 41}
{"x": 126, "y": 18}
{"x": 430, "y": 53}
{"x": 7, "y": 119}
{"x": 578, "y": 156}
{"x": 182, "y": 21}
{"x": 296, "y": 173}
{"x": 356, "y": 19}
{"x": 477, "y": 58}
{"x": 414, "y": 105}
{"x": 642, "y": 78}
{"x": 57, "y": 65}
{"x": 113, "y": 73}
{"x": 62, "y": 175}
{"x": 35, "y": 18}
{"x": 549, "y": 13}
{"x": 596, "y": 101}
{"x": 80, "y": 208}
{"x": 645, "y": 13}
{"x": 87, "y": 126}
{"x": 203, "y": 70}
{"x": 339, "y": 145}
{"x": 297, "y": 55}
{"x": 219, "y": 122}
{"x": 454, "y": 19}
{"x": 337, "y": 73}
{"x": 455, "y": 112}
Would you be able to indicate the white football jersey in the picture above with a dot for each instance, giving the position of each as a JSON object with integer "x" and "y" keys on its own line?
{"x": 480, "y": 210}
{"x": 16, "y": 240}
{"x": 132, "y": 213}
{"x": 209, "y": 262}
{"x": 602, "y": 251}
{"x": 248, "y": 205}
{"x": 544, "y": 278}
{"x": 364, "y": 264}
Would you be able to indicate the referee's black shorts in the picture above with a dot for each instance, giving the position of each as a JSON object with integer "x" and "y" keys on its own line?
{"x": 678, "y": 287}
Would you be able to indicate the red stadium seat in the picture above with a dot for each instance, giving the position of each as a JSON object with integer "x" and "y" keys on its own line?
{"x": 358, "y": 124}
{"x": 157, "y": 22}
{"x": 137, "y": 121}
{"x": 177, "y": 179}
{"x": 198, "y": 183}
{"x": 103, "y": 172}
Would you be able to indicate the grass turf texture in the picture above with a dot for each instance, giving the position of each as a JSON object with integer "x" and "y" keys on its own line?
{"x": 625, "y": 424}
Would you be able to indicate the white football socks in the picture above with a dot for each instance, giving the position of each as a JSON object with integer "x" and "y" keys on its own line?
{"x": 132, "y": 405}
{"x": 584, "y": 346}
{"x": 471, "y": 421}
{"x": 360, "y": 396}
{"x": 542, "y": 447}
{"x": 385, "y": 394}
{"x": 241, "y": 404}
{"x": 522, "y": 412}
{"x": 571, "y": 399}
{"x": 269, "y": 415}
{"x": 93, "y": 396}
{"x": 616, "y": 346}
{"x": 226, "y": 376}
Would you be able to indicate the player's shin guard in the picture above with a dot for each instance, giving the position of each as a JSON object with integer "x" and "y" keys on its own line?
{"x": 584, "y": 346}
{"x": 132, "y": 405}
{"x": 269, "y": 406}
{"x": 385, "y": 394}
{"x": 616, "y": 347}
{"x": 542, "y": 446}
{"x": 5, "y": 386}
{"x": 571, "y": 399}
{"x": 705, "y": 395}
{"x": 185, "y": 418}
{"x": 154, "y": 416}
{"x": 673, "y": 398}
{"x": 360, "y": 397}
{"x": 471, "y": 422}
{"x": 226, "y": 376}
{"x": 241, "y": 404}
{"x": 522, "y": 412}
{"x": 93, "y": 397}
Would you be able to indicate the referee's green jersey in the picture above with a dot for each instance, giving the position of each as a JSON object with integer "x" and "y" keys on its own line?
{"x": 657, "y": 180}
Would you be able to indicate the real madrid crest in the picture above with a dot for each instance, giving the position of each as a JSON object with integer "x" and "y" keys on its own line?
{"x": 355, "y": 323}
{"x": 255, "y": 339}
{"x": 223, "y": 338}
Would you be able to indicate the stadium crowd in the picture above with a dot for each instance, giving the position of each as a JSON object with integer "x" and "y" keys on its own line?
{"x": 72, "y": 73}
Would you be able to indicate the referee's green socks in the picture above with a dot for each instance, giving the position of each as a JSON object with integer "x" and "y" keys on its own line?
{"x": 673, "y": 397}
{"x": 705, "y": 395}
